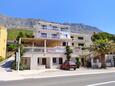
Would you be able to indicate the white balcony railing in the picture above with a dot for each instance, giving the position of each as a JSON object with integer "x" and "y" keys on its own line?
{"x": 42, "y": 50}
{"x": 55, "y": 50}
{"x": 34, "y": 49}
{"x": 50, "y": 37}
{"x": 55, "y": 37}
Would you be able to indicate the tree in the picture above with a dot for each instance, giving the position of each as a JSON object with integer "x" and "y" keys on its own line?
{"x": 68, "y": 53}
{"x": 100, "y": 48}
{"x": 102, "y": 44}
{"x": 103, "y": 35}
{"x": 29, "y": 35}
{"x": 20, "y": 35}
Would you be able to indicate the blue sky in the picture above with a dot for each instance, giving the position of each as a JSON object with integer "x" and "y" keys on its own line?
{"x": 99, "y": 13}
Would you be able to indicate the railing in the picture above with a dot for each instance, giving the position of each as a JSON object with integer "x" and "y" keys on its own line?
{"x": 55, "y": 50}
{"x": 33, "y": 49}
{"x": 60, "y": 50}
{"x": 43, "y": 36}
{"x": 50, "y": 37}
{"x": 55, "y": 37}
{"x": 42, "y": 50}
{"x": 50, "y": 28}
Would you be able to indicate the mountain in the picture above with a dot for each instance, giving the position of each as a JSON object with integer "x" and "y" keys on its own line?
{"x": 28, "y": 23}
{"x": 82, "y": 28}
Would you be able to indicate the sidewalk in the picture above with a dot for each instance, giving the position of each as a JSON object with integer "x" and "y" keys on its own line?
{"x": 46, "y": 73}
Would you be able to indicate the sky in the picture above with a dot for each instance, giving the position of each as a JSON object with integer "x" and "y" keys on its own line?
{"x": 98, "y": 13}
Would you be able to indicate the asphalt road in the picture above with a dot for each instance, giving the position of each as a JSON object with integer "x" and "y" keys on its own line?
{"x": 79, "y": 80}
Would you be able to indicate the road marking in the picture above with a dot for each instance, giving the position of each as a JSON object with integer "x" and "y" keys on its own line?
{"x": 103, "y": 83}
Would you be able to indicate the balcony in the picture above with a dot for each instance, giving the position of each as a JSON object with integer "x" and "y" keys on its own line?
{"x": 33, "y": 49}
{"x": 50, "y": 36}
{"x": 55, "y": 50}
{"x": 43, "y": 50}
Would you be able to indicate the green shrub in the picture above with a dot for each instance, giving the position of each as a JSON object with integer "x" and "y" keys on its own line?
{"x": 11, "y": 47}
{"x": 13, "y": 66}
{"x": 22, "y": 66}
{"x": 1, "y": 58}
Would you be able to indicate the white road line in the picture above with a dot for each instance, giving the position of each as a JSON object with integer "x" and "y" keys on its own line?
{"x": 103, "y": 83}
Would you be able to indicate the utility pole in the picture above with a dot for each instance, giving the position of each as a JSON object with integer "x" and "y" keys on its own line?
{"x": 18, "y": 56}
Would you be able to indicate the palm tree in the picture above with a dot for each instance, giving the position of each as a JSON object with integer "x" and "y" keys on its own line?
{"x": 100, "y": 48}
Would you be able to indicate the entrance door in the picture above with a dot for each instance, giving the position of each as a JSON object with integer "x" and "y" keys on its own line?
{"x": 43, "y": 61}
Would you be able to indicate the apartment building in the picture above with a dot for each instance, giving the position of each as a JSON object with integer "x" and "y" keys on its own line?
{"x": 3, "y": 41}
{"x": 47, "y": 49}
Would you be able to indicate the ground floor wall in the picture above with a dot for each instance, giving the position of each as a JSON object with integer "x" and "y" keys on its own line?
{"x": 46, "y": 60}
{"x": 109, "y": 60}
{"x": 36, "y": 63}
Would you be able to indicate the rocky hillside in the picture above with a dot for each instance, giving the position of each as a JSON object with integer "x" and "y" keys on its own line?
{"x": 82, "y": 28}
{"x": 11, "y": 22}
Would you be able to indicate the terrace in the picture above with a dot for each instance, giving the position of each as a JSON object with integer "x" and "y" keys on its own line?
{"x": 43, "y": 45}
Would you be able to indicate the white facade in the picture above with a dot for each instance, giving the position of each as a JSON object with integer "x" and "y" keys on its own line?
{"x": 47, "y": 49}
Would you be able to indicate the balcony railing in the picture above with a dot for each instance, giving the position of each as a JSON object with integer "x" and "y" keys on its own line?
{"x": 42, "y": 50}
{"x": 50, "y": 28}
{"x": 55, "y": 37}
{"x": 34, "y": 49}
{"x": 50, "y": 37}
{"x": 55, "y": 50}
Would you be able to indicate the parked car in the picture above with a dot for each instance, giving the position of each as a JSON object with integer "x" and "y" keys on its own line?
{"x": 67, "y": 65}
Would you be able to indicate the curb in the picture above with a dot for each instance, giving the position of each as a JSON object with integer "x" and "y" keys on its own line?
{"x": 53, "y": 76}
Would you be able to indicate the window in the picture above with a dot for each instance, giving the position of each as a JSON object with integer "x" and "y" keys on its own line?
{"x": 72, "y": 37}
{"x": 108, "y": 60}
{"x": 66, "y": 35}
{"x": 44, "y": 27}
{"x": 80, "y": 38}
{"x": 64, "y": 43}
{"x": 55, "y": 36}
{"x": 72, "y": 44}
{"x": 43, "y": 61}
{"x": 44, "y": 35}
{"x": 54, "y": 60}
{"x": 55, "y": 28}
{"x": 80, "y": 44}
{"x": 60, "y": 60}
{"x": 64, "y": 29}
